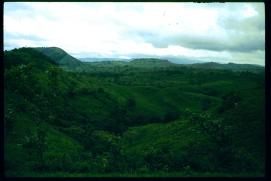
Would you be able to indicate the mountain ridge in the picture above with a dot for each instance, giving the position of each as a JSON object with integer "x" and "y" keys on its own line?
{"x": 60, "y": 56}
{"x": 68, "y": 62}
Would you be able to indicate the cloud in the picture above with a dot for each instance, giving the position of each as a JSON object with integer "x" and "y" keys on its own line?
{"x": 10, "y": 36}
{"x": 197, "y": 31}
{"x": 239, "y": 41}
{"x": 242, "y": 30}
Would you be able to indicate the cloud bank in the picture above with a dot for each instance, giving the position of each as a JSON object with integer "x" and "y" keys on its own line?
{"x": 221, "y": 32}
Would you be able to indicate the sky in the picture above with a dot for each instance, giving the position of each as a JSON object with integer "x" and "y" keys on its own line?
{"x": 191, "y": 32}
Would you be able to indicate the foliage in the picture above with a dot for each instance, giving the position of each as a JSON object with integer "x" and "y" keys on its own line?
{"x": 138, "y": 118}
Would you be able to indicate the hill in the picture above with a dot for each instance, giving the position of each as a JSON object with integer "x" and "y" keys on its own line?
{"x": 22, "y": 57}
{"x": 229, "y": 66}
{"x": 89, "y": 59}
{"x": 66, "y": 61}
{"x": 59, "y": 56}
{"x": 150, "y": 63}
{"x": 143, "y": 64}
{"x": 159, "y": 121}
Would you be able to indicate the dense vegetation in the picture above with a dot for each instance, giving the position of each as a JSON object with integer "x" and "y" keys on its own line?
{"x": 147, "y": 117}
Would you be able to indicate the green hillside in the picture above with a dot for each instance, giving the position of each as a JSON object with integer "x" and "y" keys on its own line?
{"x": 150, "y": 63}
{"x": 228, "y": 66}
{"x": 60, "y": 57}
{"x": 106, "y": 65}
{"x": 145, "y": 117}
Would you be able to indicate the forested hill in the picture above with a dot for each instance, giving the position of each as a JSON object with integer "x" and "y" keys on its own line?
{"x": 68, "y": 62}
{"x": 60, "y": 57}
{"x": 135, "y": 121}
{"x": 151, "y": 63}
{"x": 27, "y": 56}
{"x": 228, "y": 66}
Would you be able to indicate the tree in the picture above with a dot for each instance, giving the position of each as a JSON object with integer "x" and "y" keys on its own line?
{"x": 158, "y": 158}
{"x": 100, "y": 90}
{"x": 206, "y": 104}
{"x": 229, "y": 101}
{"x": 35, "y": 144}
{"x": 218, "y": 132}
{"x": 171, "y": 116}
{"x": 53, "y": 76}
{"x": 131, "y": 103}
{"x": 9, "y": 120}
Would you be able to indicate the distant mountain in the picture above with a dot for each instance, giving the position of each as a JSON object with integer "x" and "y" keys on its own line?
{"x": 170, "y": 59}
{"x": 107, "y": 63}
{"x": 229, "y": 66}
{"x": 68, "y": 62}
{"x": 150, "y": 62}
{"x": 90, "y": 59}
{"x": 118, "y": 65}
{"x": 153, "y": 60}
{"x": 182, "y": 60}
{"x": 164, "y": 63}
{"x": 154, "y": 63}
{"x": 60, "y": 57}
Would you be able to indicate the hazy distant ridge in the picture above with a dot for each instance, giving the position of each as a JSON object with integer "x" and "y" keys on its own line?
{"x": 67, "y": 61}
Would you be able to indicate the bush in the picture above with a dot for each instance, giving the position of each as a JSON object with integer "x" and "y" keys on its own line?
{"x": 206, "y": 104}
{"x": 36, "y": 144}
{"x": 157, "y": 159}
{"x": 171, "y": 116}
{"x": 131, "y": 103}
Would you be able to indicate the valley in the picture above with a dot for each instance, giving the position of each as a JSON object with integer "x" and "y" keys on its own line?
{"x": 142, "y": 117}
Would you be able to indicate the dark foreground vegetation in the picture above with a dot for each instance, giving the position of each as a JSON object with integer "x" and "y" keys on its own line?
{"x": 64, "y": 117}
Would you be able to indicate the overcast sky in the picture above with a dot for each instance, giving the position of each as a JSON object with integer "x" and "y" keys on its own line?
{"x": 220, "y": 32}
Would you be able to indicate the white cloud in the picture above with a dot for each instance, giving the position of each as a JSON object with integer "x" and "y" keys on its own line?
{"x": 221, "y": 31}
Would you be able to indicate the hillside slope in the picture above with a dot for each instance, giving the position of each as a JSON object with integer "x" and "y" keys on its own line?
{"x": 183, "y": 120}
{"x": 229, "y": 66}
{"x": 60, "y": 57}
